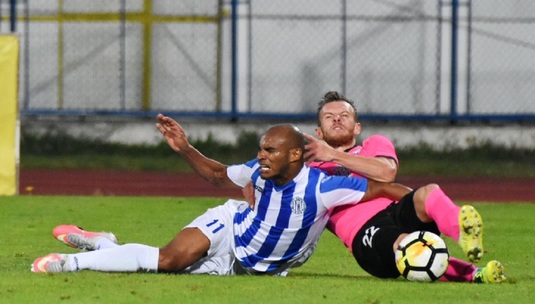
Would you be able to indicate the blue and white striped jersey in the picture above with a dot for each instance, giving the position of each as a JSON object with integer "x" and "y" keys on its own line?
{"x": 287, "y": 221}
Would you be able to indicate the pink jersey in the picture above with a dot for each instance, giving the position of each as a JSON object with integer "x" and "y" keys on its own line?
{"x": 347, "y": 220}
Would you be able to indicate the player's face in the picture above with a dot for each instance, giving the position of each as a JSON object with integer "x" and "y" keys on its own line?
{"x": 337, "y": 124}
{"x": 274, "y": 158}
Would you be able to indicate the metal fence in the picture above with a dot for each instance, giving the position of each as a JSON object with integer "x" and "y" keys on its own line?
{"x": 399, "y": 60}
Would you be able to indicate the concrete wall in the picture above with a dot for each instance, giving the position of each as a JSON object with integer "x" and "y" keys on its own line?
{"x": 143, "y": 131}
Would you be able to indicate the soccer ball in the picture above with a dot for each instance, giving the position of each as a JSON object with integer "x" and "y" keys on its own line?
{"x": 422, "y": 256}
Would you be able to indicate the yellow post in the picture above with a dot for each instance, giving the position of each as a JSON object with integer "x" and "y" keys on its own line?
{"x": 9, "y": 114}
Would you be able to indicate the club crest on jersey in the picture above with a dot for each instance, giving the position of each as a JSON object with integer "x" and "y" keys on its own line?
{"x": 298, "y": 205}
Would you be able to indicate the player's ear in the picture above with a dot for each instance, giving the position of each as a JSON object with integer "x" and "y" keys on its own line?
{"x": 357, "y": 129}
{"x": 319, "y": 133}
{"x": 296, "y": 155}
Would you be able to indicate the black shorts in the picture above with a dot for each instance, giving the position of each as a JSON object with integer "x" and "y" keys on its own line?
{"x": 373, "y": 244}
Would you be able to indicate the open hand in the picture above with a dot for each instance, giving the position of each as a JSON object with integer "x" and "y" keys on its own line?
{"x": 173, "y": 133}
{"x": 317, "y": 150}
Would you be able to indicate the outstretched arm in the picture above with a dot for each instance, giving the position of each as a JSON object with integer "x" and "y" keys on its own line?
{"x": 381, "y": 169}
{"x": 393, "y": 191}
{"x": 211, "y": 170}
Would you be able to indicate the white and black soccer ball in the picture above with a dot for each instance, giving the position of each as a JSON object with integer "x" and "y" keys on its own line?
{"x": 422, "y": 256}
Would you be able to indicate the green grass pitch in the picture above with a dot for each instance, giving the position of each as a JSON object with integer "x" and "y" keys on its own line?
{"x": 330, "y": 276}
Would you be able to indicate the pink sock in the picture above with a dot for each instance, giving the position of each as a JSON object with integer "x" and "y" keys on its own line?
{"x": 444, "y": 212}
{"x": 459, "y": 271}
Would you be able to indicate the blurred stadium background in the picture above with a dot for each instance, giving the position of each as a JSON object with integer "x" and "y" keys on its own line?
{"x": 100, "y": 68}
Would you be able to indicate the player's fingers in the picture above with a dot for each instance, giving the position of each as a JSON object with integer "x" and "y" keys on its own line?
{"x": 161, "y": 128}
{"x": 310, "y": 138}
{"x": 310, "y": 147}
{"x": 161, "y": 118}
{"x": 308, "y": 154}
{"x": 165, "y": 120}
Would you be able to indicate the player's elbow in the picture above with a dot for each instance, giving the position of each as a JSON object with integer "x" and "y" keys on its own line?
{"x": 220, "y": 179}
{"x": 389, "y": 174}
{"x": 217, "y": 180}
{"x": 385, "y": 175}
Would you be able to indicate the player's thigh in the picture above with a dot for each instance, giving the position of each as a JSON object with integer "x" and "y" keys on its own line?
{"x": 207, "y": 235}
{"x": 373, "y": 246}
{"x": 404, "y": 215}
{"x": 216, "y": 224}
{"x": 186, "y": 248}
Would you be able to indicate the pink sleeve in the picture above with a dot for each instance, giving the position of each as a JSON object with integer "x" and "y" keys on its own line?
{"x": 378, "y": 146}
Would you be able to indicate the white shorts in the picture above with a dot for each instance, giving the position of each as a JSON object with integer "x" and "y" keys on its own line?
{"x": 217, "y": 224}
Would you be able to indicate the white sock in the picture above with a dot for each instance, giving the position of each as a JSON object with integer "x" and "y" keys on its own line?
{"x": 103, "y": 243}
{"x": 119, "y": 258}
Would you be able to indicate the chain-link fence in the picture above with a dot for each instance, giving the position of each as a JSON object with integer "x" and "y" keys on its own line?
{"x": 98, "y": 56}
{"x": 403, "y": 59}
{"x": 502, "y": 48}
{"x": 383, "y": 54}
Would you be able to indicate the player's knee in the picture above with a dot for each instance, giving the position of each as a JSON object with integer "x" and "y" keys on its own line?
{"x": 176, "y": 259}
{"x": 431, "y": 187}
{"x": 423, "y": 192}
{"x": 420, "y": 198}
{"x": 166, "y": 261}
